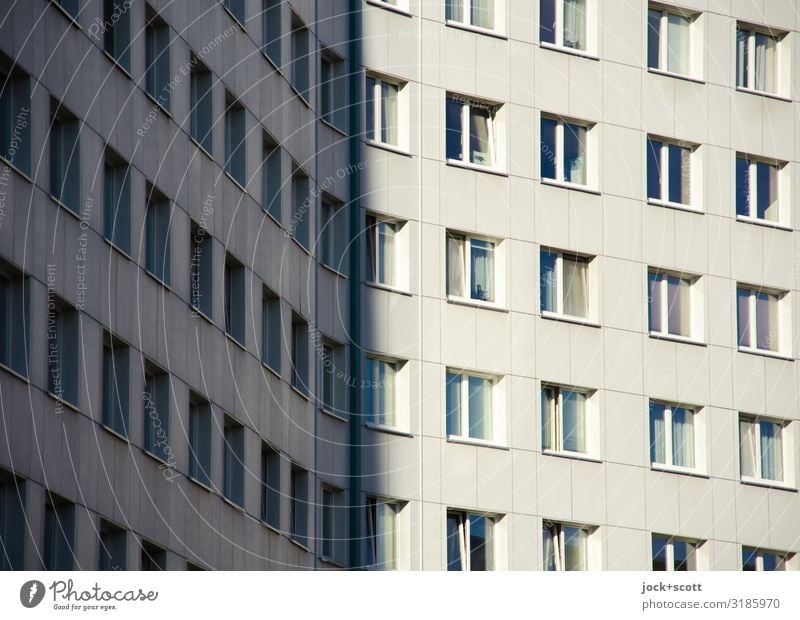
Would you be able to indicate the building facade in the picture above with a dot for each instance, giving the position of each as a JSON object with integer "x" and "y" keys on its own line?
{"x": 400, "y": 284}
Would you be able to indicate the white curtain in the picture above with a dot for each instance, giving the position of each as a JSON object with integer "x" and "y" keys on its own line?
{"x": 771, "y": 451}
{"x": 389, "y": 113}
{"x": 743, "y": 317}
{"x": 767, "y": 188}
{"x": 482, "y": 270}
{"x": 682, "y": 437}
{"x": 747, "y": 448}
{"x": 575, "y": 540}
{"x": 386, "y": 232}
{"x": 453, "y": 404}
{"x": 386, "y": 379}
{"x": 575, "y": 24}
{"x": 547, "y": 287}
{"x": 455, "y": 10}
{"x": 765, "y": 63}
{"x": 480, "y": 408}
{"x": 678, "y": 41}
{"x": 766, "y": 321}
{"x": 455, "y": 265}
{"x": 686, "y": 176}
{"x": 548, "y": 418}
{"x": 551, "y": 548}
{"x": 573, "y": 417}
{"x": 678, "y": 306}
{"x": 576, "y": 286}
{"x": 479, "y": 145}
{"x": 655, "y": 301}
{"x": 386, "y": 538}
{"x": 742, "y": 57}
{"x": 575, "y": 153}
{"x": 483, "y": 13}
{"x": 657, "y": 434}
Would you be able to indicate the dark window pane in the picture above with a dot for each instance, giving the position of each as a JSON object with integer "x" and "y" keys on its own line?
{"x": 653, "y": 38}
{"x": 454, "y": 129}
{"x": 548, "y": 148}
{"x": 547, "y": 21}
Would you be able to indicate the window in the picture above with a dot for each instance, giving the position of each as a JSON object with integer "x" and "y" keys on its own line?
{"x": 113, "y": 547}
{"x": 117, "y": 201}
{"x": 676, "y": 554}
{"x": 470, "y": 407}
{"x": 674, "y": 305}
{"x": 380, "y": 391}
{"x": 763, "y": 322}
{"x": 271, "y": 336}
{"x": 59, "y": 533}
{"x": 758, "y": 60}
{"x": 333, "y": 378}
{"x": 569, "y": 422}
{"x": 201, "y": 263}
{"x": 153, "y": 557}
{"x": 470, "y": 541}
{"x": 471, "y": 132}
{"x": 761, "y": 560}
{"x": 270, "y": 486}
{"x": 384, "y": 242}
{"x": 155, "y": 403}
{"x": 157, "y": 237}
{"x": 334, "y": 237}
{"x": 237, "y": 9}
{"x": 669, "y": 172}
{"x": 471, "y": 263}
{"x": 65, "y": 159}
{"x": 761, "y": 189}
{"x": 117, "y": 31}
{"x": 200, "y": 440}
{"x": 299, "y": 505}
{"x": 476, "y": 13}
{"x": 567, "y": 284}
{"x": 202, "y": 112}
{"x": 566, "y": 151}
{"x": 12, "y": 521}
{"x": 15, "y": 118}
{"x": 301, "y": 203}
{"x": 670, "y": 44}
{"x": 333, "y": 88}
{"x": 72, "y": 7}
{"x": 157, "y": 66}
{"x": 299, "y": 354}
{"x": 234, "y": 299}
{"x": 271, "y": 180}
{"x": 271, "y": 30}
{"x": 333, "y": 524}
{"x": 233, "y": 461}
{"x": 14, "y": 318}
{"x": 116, "y": 384}
{"x": 300, "y": 57}
{"x": 566, "y": 547}
{"x": 382, "y": 534}
{"x": 386, "y": 112}
{"x": 63, "y": 351}
{"x": 565, "y": 23}
{"x": 675, "y": 436}
{"x": 761, "y": 450}
{"x": 235, "y": 140}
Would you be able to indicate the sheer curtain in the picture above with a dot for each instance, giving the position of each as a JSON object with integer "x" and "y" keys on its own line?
{"x": 678, "y": 305}
{"x": 682, "y": 437}
{"x": 480, "y": 408}
{"x": 482, "y": 270}
{"x": 574, "y": 420}
{"x": 386, "y": 233}
{"x": 483, "y": 13}
{"x": 771, "y": 451}
{"x": 455, "y": 265}
{"x": 655, "y": 301}
{"x": 455, "y": 10}
{"x": 575, "y": 153}
{"x": 767, "y": 188}
{"x": 575, "y": 24}
{"x": 765, "y": 63}
{"x": 479, "y": 145}
{"x": 747, "y": 448}
{"x": 678, "y": 41}
{"x": 548, "y": 418}
{"x": 742, "y": 57}
{"x": 550, "y": 552}
{"x": 576, "y": 286}
{"x": 548, "y": 281}
{"x": 386, "y": 373}
{"x": 385, "y": 527}
{"x": 575, "y": 540}
{"x": 453, "y": 403}
{"x": 657, "y": 434}
{"x": 743, "y": 316}
{"x": 389, "y": 113}
{"x": 686, "y": 176}
{"x": 766, "y": 321}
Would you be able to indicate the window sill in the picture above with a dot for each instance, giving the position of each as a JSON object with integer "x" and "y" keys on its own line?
{"x": 331, "y": 561}
{"x": 201, "y": 148}
{"x": 334, "y": 271}
{"x": 476, "y": 29}
{"x": 568, "y": 185}
{"x": 117, "y": 64}
{"x": 294, "y": 541}
{"x": 301, "y": 393}
{"x": 158, "y": 104}
{"x": 234, "y": 340}
{"x": 13, "y": 372}
{"x": 328, "y": 412}
{"x": 202, "y": 485}
{"x": 762, "y": 93}
{"x": 476, "y": 303}
{"x": 301, "y": 96}
{"x": 474, "y": 441}
{"x": 275, "y": 372}
{"x": 116, "y": 434}
{"x": 676, "y": 469}
{"x": 66, "y": 14}
{"x": 385, "y": 146}
{"x": 566, "y": 318}
{"x": 272, "y": 217}
{"x": 69, "y": 210}
{"x": 568, "y": 50}
{"x": 457, "y": 163}
{"x": 198, "y": 313}
{"x": 333, "y": 126}
{"x": 115, "y": 247}
{"x": 234, "y": 18}
{"x": 674, "y": 205}
{"x": 579, "y": 456}
{"x": 157, "y": 458}
{"x": 275, "y": 62}
{"x": 66, "y": 403}
{"x": 766, "y": 353}
{"x": 675, "y": 338}
{"x": 270, "y": 527}
{"x": 672, "y": 74}
{"x": 235, "y": 182}
{"x": 234, "y": 505}
{"x": 389, "y": 7}
{"x": 759, "y": 222}
{"x": 771, "y": 484}
{"x": 386, "y": 287}
{"x": 385, "y": 428}
{"x": 16, "y": 169}
{"x": 299, "y": 244}
{"x": 158, "y": 280}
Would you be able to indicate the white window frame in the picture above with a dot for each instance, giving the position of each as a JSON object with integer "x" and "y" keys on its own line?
{"x": 592, "y": 301}
{"x": 332, "y": 369}
{"x": 499, "y": 18}
{"x": 499, "y": 263}
{"x": 593, "y": 544}
{"x": 337, "y": 527}
{"x": 784, "y": 190}
{"x": 699, "y": 552}
{"x": 334, "y": 89}
{"x": 403, "y": 112}
{"x": 399, "y": 255}
{"x": 591, "y": 418}
{"x": 699, "y": 435}
{"x": 592, "y": 152}
{"x": 498, "y": 538}
{"x": 591, "y": 29}
{"x": 784, "y": 325}
{"x": 786, "y": 559}
{"x": 783, "y": 75}
{"x": 496, "y": 133}
{"x": 400, "y": 537}
{"x": 696, "y": 299}
{"x": 498, "y": 400}
{"x": 695, "y": 60}
{"x": 787, "y": 450}
{"x": 695, "y": 173}
{"x": 402, "y": 387}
